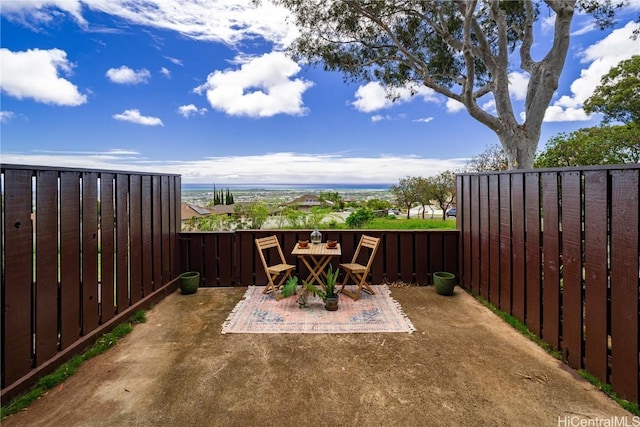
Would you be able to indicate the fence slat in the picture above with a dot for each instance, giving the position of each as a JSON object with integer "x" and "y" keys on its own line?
{"x": 476, "y": 265}
{"x": 156, "y": 214}
{"x": 624, "y": 283}
{"x": 107, "y": 244}
{"x": 484, "y": 213}
{"x": 596, "y": 277}
{"x": 551, "y": 260}
{"x": 46, "y": 295}
{"x": 463, "y": 217}
{"x": 494, "y": 240}
{"x": 532, "y": 219}
{"x": 518, "y": 274}
{"x": 122, "y": 242}
{"x": 90, "y": 307}
{"x": 135, "y": 238}
{"x": 505, "y": 244}
{"x": 16, "y": 313}
{"x": 572, "y": 268}
{"x": 70, "y": 268}
{"x": 147, "y": 243}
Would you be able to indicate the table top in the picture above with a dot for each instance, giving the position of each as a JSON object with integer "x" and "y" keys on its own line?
{"x": 317, "y": 249}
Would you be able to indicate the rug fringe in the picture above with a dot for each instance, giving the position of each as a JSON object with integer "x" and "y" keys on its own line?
{"x": 231, "y": 317}
{"x": 400, "y": 309}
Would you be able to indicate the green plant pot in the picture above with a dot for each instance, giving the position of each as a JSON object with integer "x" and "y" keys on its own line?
{"x": 444, "y": 282}
{"x": 331, "y": 302}
{"x": 189, "y": 282}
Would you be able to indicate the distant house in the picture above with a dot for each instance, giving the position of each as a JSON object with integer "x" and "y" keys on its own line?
{"x": 306, "y": 202}
{"x": 188, "y": 211}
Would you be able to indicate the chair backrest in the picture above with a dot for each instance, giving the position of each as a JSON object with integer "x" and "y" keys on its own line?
{"x": 268, "y": 243}
{"x": 367, "y": 242}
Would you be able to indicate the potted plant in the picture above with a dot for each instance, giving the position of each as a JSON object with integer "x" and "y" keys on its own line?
{"x": 328, "y": 294}
{"x": 444, "y": 282}
{"x": 290, "y": 287}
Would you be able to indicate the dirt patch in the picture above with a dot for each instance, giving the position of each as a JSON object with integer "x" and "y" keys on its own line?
{"x": 463, "y": 366}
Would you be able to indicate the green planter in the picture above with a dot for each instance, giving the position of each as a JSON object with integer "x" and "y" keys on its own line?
{"x": 444, "y": 282}
{"x": 189, "y": 282}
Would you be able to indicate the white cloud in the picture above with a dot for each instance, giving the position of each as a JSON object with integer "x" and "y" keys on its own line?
{"x": 34, "y": 74}
{"x": 601, "y": 56}
{"x": 380, "y": 117}
{"x": 424, "y": 120}
{"x": 373, "y": 96}
{"x": 190, "y": 110}
{"x": 267, "y": 168}
{"x": 6, "y": 116}
{"x": 126, "y": 75}
{"x": 165, "y": 72}
{"x": 518, "y": 83}
{"x": 230, "y": 22}
{"x": 261, "y": 87}
{"x": 42, "y": 11}
{"x": 134, "y": 116}
{"x": 454, "y": 106}
{"x": 174, "y": 60}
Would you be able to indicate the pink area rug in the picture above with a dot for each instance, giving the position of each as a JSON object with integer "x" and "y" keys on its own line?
{"x": 262, "y": 314}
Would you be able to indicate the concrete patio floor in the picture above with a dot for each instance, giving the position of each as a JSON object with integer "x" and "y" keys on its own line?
{"x": 463, "y": 366}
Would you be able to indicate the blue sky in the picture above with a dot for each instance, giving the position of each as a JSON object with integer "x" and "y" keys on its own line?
{"x": 204, "y": 90}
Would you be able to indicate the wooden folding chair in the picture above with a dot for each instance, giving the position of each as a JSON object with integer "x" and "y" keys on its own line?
{"x": 281, "y": 269}
{"x": 358, "y": 272}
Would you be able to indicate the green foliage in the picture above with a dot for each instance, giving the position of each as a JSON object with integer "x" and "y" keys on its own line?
{"x": 443, "y": 186}
{"x": 221, "y": 197}
{"x": 618, "y": 95}
{"x": 606, "y": 389}
{"x": 406, "y": 192}
{"x": 290, "y": 286}
{"x": 592, "y": 146}
{"x": 47, "y": 382}
{"x": 251, "y": 215}
{"x": 377, "y": 204}
{"x": 359, "y": 218}
{"x": 461, "y": 50}
{"x": 315, "y": 217}
{"x": 330, "y": 285}
{"x": 493, "y": 158}
{"x": 331, "y": 196}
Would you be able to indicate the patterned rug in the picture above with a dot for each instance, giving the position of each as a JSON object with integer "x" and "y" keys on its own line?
{"x": 262, "y": 314}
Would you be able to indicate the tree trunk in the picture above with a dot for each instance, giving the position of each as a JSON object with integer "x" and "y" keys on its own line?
{"x": 520, "y": 149}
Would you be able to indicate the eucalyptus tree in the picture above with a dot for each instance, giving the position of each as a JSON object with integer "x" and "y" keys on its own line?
{"x": 464, "y": 50}
{"x": 406, "y": 192}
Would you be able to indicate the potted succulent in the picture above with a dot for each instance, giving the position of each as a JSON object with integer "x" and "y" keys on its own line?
{"x": 328, "y": 295}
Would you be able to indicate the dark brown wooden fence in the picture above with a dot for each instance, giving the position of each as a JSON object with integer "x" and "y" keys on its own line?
{"x": 81, "y": 251}
{"x": 230, "y": 258}
{"x": 559, "y": 250}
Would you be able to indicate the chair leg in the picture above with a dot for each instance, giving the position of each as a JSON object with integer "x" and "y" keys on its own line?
{"x": 360, "y": 281}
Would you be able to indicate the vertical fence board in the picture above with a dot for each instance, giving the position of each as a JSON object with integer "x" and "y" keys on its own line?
{"x": 407, "y": 246}
{"x": 475, "y": 234}
{"x": 156, "y": 214}
{"x": 572, "y": 268}
{"x": 122, "y": 242}
{"x": 135, "y": 237}
{"x": 389, "y": 252}
{"x": 166, "y": 236}
{"x": 210, "y": 267}
{"x": 533, "y": 260}
{"x": 107, "y": 252}
{"x": 46, "y": 289}
{"x": 174, "y": 224}
{"x": 422, "y": 259}
{"x": 466, "y": 213}
{"x": 551, "y": 260}
{"x": 596, "y": 277}
{"x": 494, "y": 239}
{"x": 147, "y": 233}
{"x": 624, "y": 283}
{"x": 505, "y": 244}
{"x": 70, "y": 268}
{"x": 485, "y": 212}
{"x": 451, "y": 252}
{"x": 16, "y": 313}
{"x": 518, "y": 277}
{"x": 436, "y": 257}
{"x": 90, "y": 305}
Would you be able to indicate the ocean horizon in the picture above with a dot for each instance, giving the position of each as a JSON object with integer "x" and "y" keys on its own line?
{"x": 286, "y": 187}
